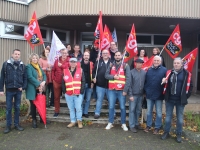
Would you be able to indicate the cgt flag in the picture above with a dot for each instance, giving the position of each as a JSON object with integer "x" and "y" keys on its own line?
{"x": 33, "y": 34}
{"x": 148, "y": 64}
{"x": 173, "y": 45}
{"x": 189, "y": 59}
{"x": 98, "y": 31}
{"x": 131, "y": 45}
{"x": 106, "y": 38}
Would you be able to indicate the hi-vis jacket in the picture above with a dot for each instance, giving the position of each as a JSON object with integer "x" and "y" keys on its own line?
{"x": 74, "y": 81}
{"x": 123, "y": 83}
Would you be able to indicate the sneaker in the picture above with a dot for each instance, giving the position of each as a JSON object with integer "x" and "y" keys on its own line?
{"x": 7, "y": 130}
{"x": 147, "y": 129}
{"x": 18, "y": 127}
{"x": 165, "y": 135}
{"x": 156, "y": 131}
{"x": 96, "y": 116}
{"x": 178, "y": 138}
{"x": 109, "y": 126}
{"x": 55, "y": 115}
{"x": 72, "y": 124}
{"x": 133, "y": 130}
{"x": 124, "y": 127}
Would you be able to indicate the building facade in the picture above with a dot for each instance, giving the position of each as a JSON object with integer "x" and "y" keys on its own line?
{"x": 75, "y": 22}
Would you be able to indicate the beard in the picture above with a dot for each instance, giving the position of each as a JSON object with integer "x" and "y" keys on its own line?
{"x": 118, "y": 60}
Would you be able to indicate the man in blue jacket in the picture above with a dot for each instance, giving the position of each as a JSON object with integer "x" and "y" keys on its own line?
{"x": 13, "y": 75}
{"x": 154, "y": 93}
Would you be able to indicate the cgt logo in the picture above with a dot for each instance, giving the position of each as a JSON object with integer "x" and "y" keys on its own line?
{"x": 30, "y": 30}
{"x": 66, "y": 77}
{"x": 77, "y": 75}
{"x": 119, "y": 85}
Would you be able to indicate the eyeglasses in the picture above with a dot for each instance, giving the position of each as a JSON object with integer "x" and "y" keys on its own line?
{"x": 64, "y": 53}
{"x": 72, "y": 61}
{"x": 104, "y": 53}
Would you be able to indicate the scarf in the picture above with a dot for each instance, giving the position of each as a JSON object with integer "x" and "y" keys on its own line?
{"x": 37, "y": 67}
{"x": 173, "y": 80}
{"x": 15, "y": 63}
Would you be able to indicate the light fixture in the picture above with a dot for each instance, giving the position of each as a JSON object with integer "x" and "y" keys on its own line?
{"x": 88, "y": 24}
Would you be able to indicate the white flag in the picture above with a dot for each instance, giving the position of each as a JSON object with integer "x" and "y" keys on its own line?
{"x": 56, "y": 46}
{"x": 114, "y": 36}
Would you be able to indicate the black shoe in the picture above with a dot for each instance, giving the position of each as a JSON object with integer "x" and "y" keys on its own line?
{"x": 18, "y": 127}
{"x": 34, "y": 123}
{"x": 178, "y": 138}
{"x": 7, "y": 130}
{"x": 86, "y": 115}
{"x": 96, "y": 116}
{"x": 55, "y": 115}
{"x": 133, "y": 130}
{"x": 165, "y": 135}
{"x": 139, "y": 127}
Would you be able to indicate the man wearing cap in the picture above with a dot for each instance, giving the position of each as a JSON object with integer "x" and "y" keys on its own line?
{"x": 73, "y": 87}
{"x": 135, "y": 93}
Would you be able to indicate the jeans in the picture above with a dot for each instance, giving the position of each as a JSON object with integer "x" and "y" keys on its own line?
{"x": 112, "y": 97}
{"x": 74, "y": 103}
{"x": 158, "y": 105}
{"x": 135, "y": 108}
{"x": 179, "y": 115}
{"x": 17, "y": 101}
{"x": 87, "y": 94}
{"x": 94, "y": 93}
{"x": 100, "y": 96}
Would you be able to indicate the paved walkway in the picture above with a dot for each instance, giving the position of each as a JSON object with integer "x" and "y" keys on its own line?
{"x": 93, "y": 137}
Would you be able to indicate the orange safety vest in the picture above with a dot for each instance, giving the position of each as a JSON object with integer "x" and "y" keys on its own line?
{"x": 73, "y": 84}
{"x": 117, "y": 84}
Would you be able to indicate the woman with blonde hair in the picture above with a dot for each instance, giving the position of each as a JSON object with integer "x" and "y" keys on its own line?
{"x": 156, "y": 51}
{"x": 36, "y": 80}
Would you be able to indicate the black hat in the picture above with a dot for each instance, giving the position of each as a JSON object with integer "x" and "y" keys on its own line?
{"x": 139, "y": 60}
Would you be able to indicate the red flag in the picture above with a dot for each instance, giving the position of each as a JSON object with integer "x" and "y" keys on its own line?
{"x": 148, "y": 64}
{"x": 98, "y": 31}
{"x": 106, "y": 38}
{"x": 189, "y": 59}
{"x": 173, "y": 45}
{"x": 33, "y": 34}
{"x": 131, "y": 45}
{"x": 40, "y": 103}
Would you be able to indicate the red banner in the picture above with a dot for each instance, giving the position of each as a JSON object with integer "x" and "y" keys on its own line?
{"x": 33, "y": 34}
{"x": 106, "y": 38}
{"x": 189, "y": 59}
{"x": 148, "y": 64}
{"x": 173, "y": 45}
{"x": 131, "y": 45}
{"x": 98, "y": 31}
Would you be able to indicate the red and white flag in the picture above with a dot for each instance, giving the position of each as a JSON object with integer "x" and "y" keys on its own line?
{"x": 148, "y": 64}
{"x": 98, "y": 31}
{"x": 173, "y": 46}
{"x": 131, "y": 45}
{"x": 33, "y": 34}
{"x": 189, "y": 59}
{"x": 106, "y": 38}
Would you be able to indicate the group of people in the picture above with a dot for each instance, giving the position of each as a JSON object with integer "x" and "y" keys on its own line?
{"x": 79, "y": 75}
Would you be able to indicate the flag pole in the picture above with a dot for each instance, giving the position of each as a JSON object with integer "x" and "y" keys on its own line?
{"x": 98, "y": 60}
{"x": 43, "y": 45}
{"x": 161, "y": 51}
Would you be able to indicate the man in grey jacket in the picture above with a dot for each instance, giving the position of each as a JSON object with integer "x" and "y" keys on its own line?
{"x": 118, "y": 75}
{"x": 135, "y": 93}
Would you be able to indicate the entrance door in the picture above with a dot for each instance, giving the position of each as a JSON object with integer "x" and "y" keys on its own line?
{"x": 84, "y": 45}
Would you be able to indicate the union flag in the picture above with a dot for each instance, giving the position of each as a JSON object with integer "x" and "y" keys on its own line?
{"x": 148, "y": 64}
{"x": 173, "y": 46}
{"x": 189, "y": 59}
{"x": 106, "y": 38}
{"x": 33, "y": 34}
{"x": 131, "y": 45}
{"x": 98, "y": 31}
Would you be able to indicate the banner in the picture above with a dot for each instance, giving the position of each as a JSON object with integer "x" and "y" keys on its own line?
{"x": 148, "y": 64}
{"x": 33, "y": 34}
{"x": 173, "y": 46}
{"x": 114, "y": 36}
{"x": 189, "y": 59}
{"x": 98, "y": 31}
{"x": 131, "y": 45}
{"x": 106, "y": 39}
{"x": 56, "y": 46}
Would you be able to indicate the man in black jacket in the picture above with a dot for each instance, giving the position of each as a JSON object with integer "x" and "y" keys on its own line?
{"x": 101, "y": 81}
{"x": 13, "y": 75}
{"x": 178, "y": 90}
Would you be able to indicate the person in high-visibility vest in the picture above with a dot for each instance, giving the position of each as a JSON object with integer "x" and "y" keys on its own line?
{"x": 87, "y": 67}
{"x": 118, "y": 74}
{"x": 177, "y": 90}
{"x": 74, "y": 86}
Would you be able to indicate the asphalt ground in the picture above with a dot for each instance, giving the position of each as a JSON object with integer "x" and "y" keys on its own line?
{"x": 92, "y": 137}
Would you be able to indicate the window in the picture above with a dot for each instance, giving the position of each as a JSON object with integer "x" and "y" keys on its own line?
{"x": 143, "y": 39}
{"x": 14, "y": 29}
{"x": 61, "y": 35}
{"x": 43, "y": 33}
{"x": 160, "y": 39}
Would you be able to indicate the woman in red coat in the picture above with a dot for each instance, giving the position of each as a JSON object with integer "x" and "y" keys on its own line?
{"x": 57, "y": 74}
